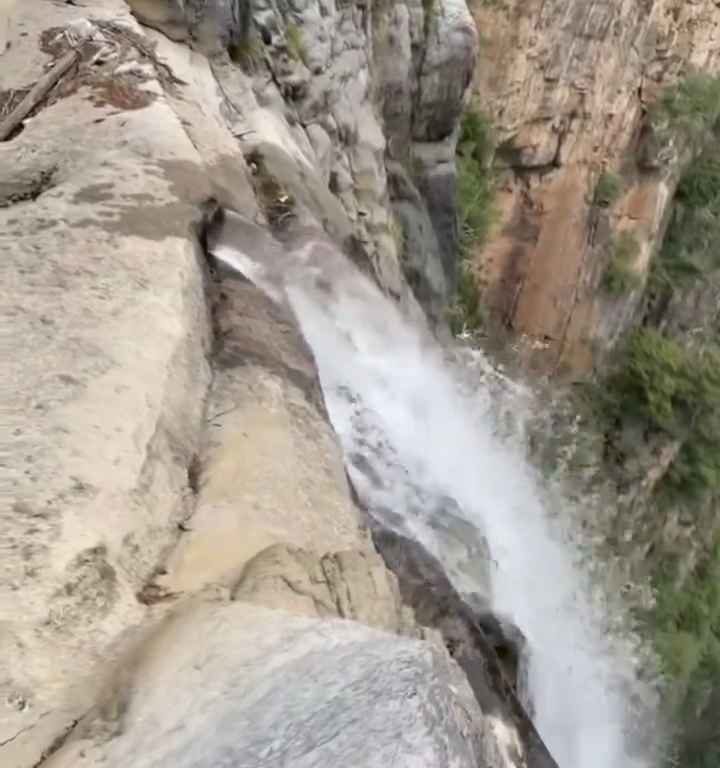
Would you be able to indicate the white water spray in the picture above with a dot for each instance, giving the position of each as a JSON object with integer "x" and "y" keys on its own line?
{"x": 396, "y": 404}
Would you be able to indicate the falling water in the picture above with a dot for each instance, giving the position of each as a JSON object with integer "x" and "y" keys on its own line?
{"x": 401, "y": 414}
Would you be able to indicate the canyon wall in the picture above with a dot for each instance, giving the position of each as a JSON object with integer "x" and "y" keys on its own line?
{"x": 567, "y": 87}
{"x": 182, "y": 554}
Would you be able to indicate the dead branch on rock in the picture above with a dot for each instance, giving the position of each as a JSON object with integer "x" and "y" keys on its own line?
{"x": 39, "y": 91}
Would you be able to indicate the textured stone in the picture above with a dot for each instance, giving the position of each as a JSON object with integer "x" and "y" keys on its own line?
{"x": 105, "y": 373}
{"x": 352, "y": 584}
{"x": 105, "y": 458}
{"x": 421, "y": 100}
{"x": 422, "y": 266}
{"x": 210, "y": 25}
{"x": 336, "y": 68}
{"x": 242, "y": 685}
{"x": 7, "y": 11}
{"x": 489, "y": 649}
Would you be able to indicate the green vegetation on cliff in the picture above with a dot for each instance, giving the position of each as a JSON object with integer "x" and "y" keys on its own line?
{"x": 666, "y": 386}
{"x": 476, "y": 186}
{"x": 608, "y": 188}
{"x": 673, "y": 389}
{"x": 666, "y": 392}
{"x": 691, "y": 107}
{"x": 620, "y": 275}
{"x": 690, "y": 247}
{"x": 476, "y": 214}
{"x": 687, "y": 626}
{"x": 659, "y": 418}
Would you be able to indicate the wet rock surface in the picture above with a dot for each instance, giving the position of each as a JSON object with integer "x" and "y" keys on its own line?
{"x": 399, "y": 503}
{"x": 488, "y": 648}
{"x": 236, "y": 684}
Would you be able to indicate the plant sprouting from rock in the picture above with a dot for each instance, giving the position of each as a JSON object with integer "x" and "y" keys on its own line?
{"x": 609, "y": 187}
{"x": 691, "y": 107}
{"x": 690, "y": 248}
{"x": 620, "y": 276}
{"x": 248, "y": 53}
{"x": 295, "y": 43}
{"x": 476, "y": 214}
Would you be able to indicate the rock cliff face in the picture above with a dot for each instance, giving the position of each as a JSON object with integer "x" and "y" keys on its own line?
{"x": 606, "y": 121}
{"x": 568, "y": 86}
{"x": 179, "y": 541}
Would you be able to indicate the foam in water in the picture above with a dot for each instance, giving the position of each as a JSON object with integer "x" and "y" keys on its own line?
{"x": 386, "y": 382}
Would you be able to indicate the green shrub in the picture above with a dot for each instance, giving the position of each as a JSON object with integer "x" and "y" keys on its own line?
{"x": 652, "y": 380}
{"x": 295, "y": 43}
{"x": 686, "y": 623}
{"x": 671, "y": 384}
{"x": 700, "y": 184}
{"x": 475, "y": 181}
{"x": 608, "y": 188}
{"x": 476, "y": 203}
{"x": 476, "y": 214}
{"x": 620, "y": 275}
{"x": 691, "y": 107}
{"x": 690, "y": 247}
{"x": 247, "y": 53}
{"x": 476, "y": 138}
{"x": 680, "y": 652}
{"x": 466, "y": 313}
{"x": 673, "y": 389}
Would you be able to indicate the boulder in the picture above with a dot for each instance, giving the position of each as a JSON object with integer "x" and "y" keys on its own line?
{"x": 352, "y": 584}
{"x": 236, "y": 684}
{"x": 212, "y": 26}
{"x": 488, "y": 648}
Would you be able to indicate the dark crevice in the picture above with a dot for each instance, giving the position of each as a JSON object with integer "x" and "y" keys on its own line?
{"x": 194, "y": 473}
{"x": 482, "y": 644}
{"x": 57, "y": 743}
{"x": 275, "y": 199}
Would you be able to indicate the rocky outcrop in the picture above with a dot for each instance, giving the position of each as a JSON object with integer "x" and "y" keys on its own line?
{"x": 365, "y": 101}
{"x": 488, "y": 649}
{"x": 568, "y": 87}
{"x": 212, "y": 27}
{"x": 180, "y": 541}
{"x": 287, "y": 690}
{"x": 351, "y": 584}
{"x": 424, "y": 54}
{"x": 362, "y": 84}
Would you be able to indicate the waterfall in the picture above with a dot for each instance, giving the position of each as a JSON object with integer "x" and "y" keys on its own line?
{"x": 410, "y": 432}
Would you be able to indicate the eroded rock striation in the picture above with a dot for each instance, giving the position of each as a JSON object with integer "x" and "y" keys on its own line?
{"x": 569, "y": 88}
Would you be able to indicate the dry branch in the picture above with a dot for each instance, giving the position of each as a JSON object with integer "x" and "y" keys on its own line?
{"x": 39, "y": 91}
